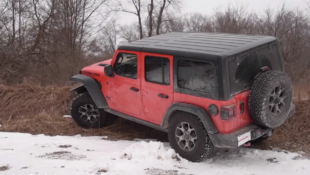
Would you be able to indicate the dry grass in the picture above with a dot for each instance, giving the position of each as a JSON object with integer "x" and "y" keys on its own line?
{"x": 301, "y": 92}
{"x": 30, "y": 100}
{"x": 35, "y": 109}
{"x": 294, "y": 135}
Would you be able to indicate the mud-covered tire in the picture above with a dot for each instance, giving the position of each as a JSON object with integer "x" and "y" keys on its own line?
{"x": 203, "y": 145}
{"x": 271, "y": 90}
{"x": 82, "y": 103}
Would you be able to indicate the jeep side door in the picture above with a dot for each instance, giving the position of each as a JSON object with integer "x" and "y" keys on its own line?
{"x": 156, "y": 85}
{"x": 124, "y": 93}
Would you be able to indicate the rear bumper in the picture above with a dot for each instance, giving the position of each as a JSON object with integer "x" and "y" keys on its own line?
{"x": 236, "y": 139}
{"x": 232, "y": 141}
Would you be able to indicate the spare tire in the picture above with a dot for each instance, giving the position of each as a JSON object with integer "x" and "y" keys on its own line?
{"x": 270, "y": 98}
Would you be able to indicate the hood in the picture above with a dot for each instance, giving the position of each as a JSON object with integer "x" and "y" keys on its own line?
{"x": 96, "y": 70}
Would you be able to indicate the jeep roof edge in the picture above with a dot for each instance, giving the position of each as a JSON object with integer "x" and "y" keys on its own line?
{"x": 198, "y": 45}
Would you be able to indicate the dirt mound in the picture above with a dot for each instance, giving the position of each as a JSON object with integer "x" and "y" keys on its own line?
{"x": 35, "y": 109}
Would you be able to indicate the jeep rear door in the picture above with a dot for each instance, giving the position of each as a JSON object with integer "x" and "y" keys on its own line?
{"x": 156, "y": 86}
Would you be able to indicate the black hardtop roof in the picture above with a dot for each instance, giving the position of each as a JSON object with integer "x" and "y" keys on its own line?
{"x": 198, "y": 44}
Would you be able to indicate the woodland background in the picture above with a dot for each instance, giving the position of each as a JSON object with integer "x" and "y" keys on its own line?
{"x": 44, "y": 42}
{"x": 48, "y": 41}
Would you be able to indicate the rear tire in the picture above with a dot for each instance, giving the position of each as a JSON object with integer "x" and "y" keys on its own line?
{"x": 270, "y": 99}
{"x": 189, "y": 138}
{"x": 86, "y": 114}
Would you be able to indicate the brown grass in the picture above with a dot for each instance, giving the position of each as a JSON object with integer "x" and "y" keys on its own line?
{"x": 34, "y": 109}
{"x": 294, "y": 135}
{"x": 301, "y": 92}
{"x": 29, "y": 100}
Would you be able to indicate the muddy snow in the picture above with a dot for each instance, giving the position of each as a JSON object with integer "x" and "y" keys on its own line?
{"x": 25, "y": 154}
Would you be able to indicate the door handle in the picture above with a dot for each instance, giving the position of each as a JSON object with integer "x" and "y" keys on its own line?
{"x": 134, "y": 89}
{"x": 162, "y": 95}
{"x": 241, "y": 107}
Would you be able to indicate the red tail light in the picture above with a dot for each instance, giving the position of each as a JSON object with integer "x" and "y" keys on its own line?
{"x": 228, "y": 112}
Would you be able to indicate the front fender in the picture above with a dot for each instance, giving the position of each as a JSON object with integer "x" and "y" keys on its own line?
{"x": 200, "y": 112}
{"x": 93, "y": 89}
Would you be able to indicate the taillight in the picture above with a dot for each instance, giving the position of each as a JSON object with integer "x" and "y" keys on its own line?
{"x": 228, "y": 112}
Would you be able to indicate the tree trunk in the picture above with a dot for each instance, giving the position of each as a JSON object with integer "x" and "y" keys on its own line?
{"x": 140, "y": 25}
{"x": 19, "y": 24}
{"x": 13, "y": 23}
{"x": 160, "y": 16}
{"x": 151, "y": 18}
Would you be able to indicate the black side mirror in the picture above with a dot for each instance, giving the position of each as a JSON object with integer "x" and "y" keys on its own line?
{"x": 108, "y": 71}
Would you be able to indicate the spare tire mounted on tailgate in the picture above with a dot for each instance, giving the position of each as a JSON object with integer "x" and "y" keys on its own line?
{"x": 270, "y": 98}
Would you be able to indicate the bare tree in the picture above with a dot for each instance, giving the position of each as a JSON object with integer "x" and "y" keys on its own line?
{"x": 160, "y": 15}
{"x": 36, "y": 41}
{"x": 128, "y": 32}
{"x": 198, "y": 23}
{"x": 40, "y": 38}
{"x": 138, "y": 12}
{"x": 234, "y": 20}
{"x": 109, "y": 38}
{"x": 164, "y": 7}
{"x": 150, "y": 12}
{"x": 155, "y": 10}
{"x": 173, "y": 23}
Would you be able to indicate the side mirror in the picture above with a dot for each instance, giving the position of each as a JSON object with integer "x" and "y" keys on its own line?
{"x": 108, "y": 71}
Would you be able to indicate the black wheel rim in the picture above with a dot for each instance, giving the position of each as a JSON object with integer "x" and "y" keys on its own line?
{"x": 89, "y": 113}
{"x": 276, "y": 100}
{"x": 185, "y": 136}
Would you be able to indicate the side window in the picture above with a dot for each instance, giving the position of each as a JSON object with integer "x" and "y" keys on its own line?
{"x": 157, "y": 70}
{"x": 126, "y": 65}
{"x": 196, "y": 76}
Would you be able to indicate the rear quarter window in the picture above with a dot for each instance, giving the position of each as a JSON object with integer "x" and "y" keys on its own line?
{"x": 196, "y": 76}
{"x": 242, "y": 70}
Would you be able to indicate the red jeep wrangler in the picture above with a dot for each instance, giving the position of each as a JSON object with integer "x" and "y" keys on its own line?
{"x": 205, "y": 90}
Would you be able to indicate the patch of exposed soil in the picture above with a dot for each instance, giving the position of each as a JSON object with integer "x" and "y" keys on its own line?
{"x": 66, "y": 155}
{"x": 157, "y": 171}
{"x": 64, "y": 146}
{"x": 101, "y": 171}
{"x": 4, "y": 168}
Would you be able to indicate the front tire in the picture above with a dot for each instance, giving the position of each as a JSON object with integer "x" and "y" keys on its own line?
{"x": 189, "y": 138}
{"x": 86, "y": 114}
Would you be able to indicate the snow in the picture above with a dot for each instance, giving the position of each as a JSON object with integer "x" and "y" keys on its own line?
{"x": 67, "y": 116}
{"x": 39, "y": 154}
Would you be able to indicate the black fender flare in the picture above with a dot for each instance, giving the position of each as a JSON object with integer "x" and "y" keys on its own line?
{"x": 78, "y": 89}
{"x": 92, "y": 88}
{"x": 200, "y": 112}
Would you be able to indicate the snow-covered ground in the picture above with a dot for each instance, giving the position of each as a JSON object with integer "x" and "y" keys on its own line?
{"x": 25, "y": 154}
